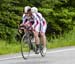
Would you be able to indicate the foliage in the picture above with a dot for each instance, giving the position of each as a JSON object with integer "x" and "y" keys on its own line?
{"x": 59, "y": 15}
{"x": 58, "y": 20}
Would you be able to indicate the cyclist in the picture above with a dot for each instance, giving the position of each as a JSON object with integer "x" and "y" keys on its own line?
{"x": 43, "y": 26}
{"x": 25, "y": 17}
{"x": 29, "y": 17}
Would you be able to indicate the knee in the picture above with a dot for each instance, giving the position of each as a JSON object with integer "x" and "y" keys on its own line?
{"x": 42, "y": 34}
{"x": 35, "y": 34}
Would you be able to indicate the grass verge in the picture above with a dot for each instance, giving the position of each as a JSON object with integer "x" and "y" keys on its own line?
{"x": 68, "y": 39}
{"x": 6, "y": 48}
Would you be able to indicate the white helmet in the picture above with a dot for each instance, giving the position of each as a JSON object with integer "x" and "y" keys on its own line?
{"x": 34, "y": 10}
{"x": 26, "y": 8}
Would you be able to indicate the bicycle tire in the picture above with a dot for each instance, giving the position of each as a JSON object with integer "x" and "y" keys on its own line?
{"x": 42, "y": 54}
{"x": 41, "y": 51}
{"x": 25, "y": 46}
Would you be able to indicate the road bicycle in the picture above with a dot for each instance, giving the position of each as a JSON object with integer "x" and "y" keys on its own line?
{"x": 28, "y": 44}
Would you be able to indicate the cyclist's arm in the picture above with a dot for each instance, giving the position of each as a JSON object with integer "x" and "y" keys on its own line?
{"x": 24, "y": 20}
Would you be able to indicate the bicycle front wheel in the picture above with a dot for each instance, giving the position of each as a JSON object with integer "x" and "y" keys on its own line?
{"x": 25, "y": 46}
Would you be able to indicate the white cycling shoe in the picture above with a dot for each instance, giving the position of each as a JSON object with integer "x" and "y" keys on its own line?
{"x": 44, "y": 50}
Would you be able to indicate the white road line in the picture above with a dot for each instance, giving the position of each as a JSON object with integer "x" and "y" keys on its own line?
{"x": 55, "y": 51}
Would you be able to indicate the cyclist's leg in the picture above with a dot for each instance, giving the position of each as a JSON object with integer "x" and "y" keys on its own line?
{"x": 36, "y": 33}
{"x": 43, "y": 37}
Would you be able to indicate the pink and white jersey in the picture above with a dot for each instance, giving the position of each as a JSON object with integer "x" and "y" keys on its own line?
{"x": 34, "y": 20}
{"x": 24, "y": 19}
{"x": 41, "y": 18}
{"x": 43, "y": 24}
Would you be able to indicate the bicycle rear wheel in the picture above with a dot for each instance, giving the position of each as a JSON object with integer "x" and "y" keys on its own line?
{"x": 41, "y": 51}
{"x": 25, "y": 46}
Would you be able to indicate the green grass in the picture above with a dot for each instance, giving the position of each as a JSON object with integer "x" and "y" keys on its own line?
{"x": 68, "y": 39}
{"x": 6, "y": 48}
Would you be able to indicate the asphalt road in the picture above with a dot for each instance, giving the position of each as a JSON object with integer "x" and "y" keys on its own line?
{"x": 53, "y": 56}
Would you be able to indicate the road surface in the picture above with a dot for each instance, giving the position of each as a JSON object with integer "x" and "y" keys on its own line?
{"x": 53, "y": 56}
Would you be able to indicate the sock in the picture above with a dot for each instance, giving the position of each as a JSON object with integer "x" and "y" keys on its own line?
{"x": 37, "y": 45}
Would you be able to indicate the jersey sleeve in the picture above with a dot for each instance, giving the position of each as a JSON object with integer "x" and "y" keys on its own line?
{"x": 24, "y": 18}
